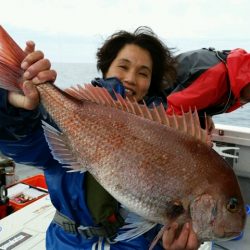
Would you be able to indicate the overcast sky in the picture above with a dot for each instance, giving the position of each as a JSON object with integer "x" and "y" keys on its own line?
{"x": 71, "y": 31}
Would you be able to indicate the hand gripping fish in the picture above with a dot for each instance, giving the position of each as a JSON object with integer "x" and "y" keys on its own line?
{"x": 157, "y": 166}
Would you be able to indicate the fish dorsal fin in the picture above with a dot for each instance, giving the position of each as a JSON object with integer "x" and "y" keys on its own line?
{"x": 187, "y": 122}
{"x": 59, "y": 147}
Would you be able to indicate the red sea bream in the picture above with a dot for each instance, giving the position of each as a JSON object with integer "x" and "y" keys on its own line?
{"x": 158, "y": 167}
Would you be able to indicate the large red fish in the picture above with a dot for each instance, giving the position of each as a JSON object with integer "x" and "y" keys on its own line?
{"x": 157, "y": 166}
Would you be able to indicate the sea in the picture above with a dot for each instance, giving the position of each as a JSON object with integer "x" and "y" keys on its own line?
{"x": 70, "y": 74}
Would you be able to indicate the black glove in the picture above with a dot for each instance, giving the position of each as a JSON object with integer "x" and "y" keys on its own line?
{"x": 112, "y": 84}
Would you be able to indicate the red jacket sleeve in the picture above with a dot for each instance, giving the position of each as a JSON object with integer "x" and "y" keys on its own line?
{"x": 238, "y": 62}
{"x": 210, "y": 88}
{"x": 207, "y": 90}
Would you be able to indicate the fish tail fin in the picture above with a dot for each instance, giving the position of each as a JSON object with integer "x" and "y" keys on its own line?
{"x": 11, "y": 56}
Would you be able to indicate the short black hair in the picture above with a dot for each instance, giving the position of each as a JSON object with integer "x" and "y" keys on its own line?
{"x": 164, "y": 64}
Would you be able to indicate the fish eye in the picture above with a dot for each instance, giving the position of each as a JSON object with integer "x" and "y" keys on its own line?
{"x": 232, "y": 205}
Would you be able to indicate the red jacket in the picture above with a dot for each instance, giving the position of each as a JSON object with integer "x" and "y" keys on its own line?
{"x": 210, "y": 88}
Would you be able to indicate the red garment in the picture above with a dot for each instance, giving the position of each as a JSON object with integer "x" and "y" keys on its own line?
{"x": 210, "y": 88}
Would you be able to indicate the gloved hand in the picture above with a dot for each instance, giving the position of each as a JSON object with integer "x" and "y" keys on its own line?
{"x": 112, "y": 84}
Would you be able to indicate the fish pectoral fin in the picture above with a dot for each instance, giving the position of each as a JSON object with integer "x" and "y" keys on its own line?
{"x": 60, "y": 149}
{"x": 134, "y": 227}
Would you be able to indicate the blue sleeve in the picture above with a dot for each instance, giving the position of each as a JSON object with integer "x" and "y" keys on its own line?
{"x": 15, "y": 122}
{"x": 21, "y": 134}
{"x": 30, "y": 150}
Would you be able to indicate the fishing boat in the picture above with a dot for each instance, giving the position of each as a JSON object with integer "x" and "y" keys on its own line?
{"x": 26, "y": 227}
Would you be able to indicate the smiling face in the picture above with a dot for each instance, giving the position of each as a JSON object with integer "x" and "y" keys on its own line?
{"x": 133, "y": 67}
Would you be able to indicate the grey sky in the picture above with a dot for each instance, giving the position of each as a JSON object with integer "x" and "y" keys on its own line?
{"x": 71, "y": 31}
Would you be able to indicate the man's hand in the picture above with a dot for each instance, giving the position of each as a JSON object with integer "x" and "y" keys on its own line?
{"x": 37, "y": 70}
{"x": 187, "y": 239}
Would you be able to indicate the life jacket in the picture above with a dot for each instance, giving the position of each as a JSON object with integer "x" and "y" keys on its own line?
{"x": 191, "y": 65}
